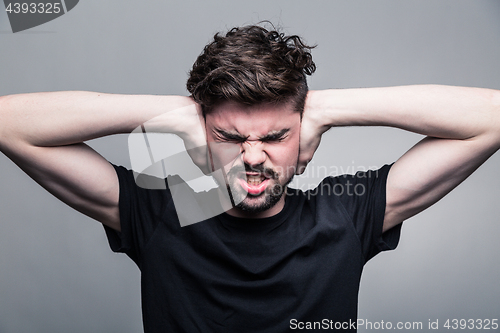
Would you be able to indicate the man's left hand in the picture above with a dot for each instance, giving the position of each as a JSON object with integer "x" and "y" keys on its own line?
{"x": 312, "y": 127}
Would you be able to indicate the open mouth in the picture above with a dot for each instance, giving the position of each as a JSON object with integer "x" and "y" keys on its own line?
{"x": 254, "y": 180}
{"x": 254, "y": 183}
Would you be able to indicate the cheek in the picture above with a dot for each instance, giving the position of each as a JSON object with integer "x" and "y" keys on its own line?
{"x": 284, "y": 158}
{"x": 224, "y": 154}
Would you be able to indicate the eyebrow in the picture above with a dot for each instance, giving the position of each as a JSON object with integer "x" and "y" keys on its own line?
{"x": 235, "y": 136}
{"x": 274, "y": 135}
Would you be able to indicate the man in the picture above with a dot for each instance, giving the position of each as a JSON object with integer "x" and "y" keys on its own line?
{"x": 279, "y": 258}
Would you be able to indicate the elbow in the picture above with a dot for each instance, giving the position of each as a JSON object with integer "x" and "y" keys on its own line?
{"x": 488, "y": 119}
{"x": 495, "y": 117}
{"x": 6, "y": 121}
{"x": 3, "y": 117}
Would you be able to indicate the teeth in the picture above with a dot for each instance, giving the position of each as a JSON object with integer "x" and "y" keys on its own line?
{"x": 254, "y": 180}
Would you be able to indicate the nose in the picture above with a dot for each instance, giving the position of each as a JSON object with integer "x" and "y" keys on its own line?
{"x": 253, "y": 153}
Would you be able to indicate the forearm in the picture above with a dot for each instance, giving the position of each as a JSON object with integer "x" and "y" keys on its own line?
{"x": 437, "y": 111}
{"x": 63, "y": 118}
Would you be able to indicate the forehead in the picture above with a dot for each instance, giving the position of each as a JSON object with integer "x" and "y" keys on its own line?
{"x": 256, "y": 119}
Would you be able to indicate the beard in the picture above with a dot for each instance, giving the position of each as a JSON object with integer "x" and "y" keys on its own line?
{"x": 255, "y": 204}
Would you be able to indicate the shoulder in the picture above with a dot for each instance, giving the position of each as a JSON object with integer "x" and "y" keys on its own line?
{"x": 351, "y": 185}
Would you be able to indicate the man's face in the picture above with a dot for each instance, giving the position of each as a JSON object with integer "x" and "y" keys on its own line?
{"x": 257, "y": 147}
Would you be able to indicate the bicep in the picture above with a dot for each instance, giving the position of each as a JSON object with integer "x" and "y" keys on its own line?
{"x": 430, "y": 170}
{"x": 75, "y": 174}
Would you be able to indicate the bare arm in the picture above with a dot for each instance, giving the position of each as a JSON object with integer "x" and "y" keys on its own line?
{"x": 462, "y": 126}
{"x": 43, "y": 134}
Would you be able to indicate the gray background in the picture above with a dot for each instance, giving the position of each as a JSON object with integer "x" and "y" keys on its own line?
{"x": 57, "y": 273}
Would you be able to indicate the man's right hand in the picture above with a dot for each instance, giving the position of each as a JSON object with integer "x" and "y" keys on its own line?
{"x": 194, "y": 136}
{"x": 188, "y": 123}
{"x": 43, "y": 134}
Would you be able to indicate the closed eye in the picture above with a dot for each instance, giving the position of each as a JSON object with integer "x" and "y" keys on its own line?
{"x": 275, "y": 136}
{"x": 229, "y": 137}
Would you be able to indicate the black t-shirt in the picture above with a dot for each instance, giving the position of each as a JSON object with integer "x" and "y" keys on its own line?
{"x": 228, "y": 274}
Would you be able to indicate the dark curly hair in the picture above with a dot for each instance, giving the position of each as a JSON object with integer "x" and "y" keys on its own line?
{"x": 252, "y": 65}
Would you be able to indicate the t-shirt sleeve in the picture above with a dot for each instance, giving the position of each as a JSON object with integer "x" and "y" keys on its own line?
{"x": 364, "y": 199}
{"x": 141, "y": 209}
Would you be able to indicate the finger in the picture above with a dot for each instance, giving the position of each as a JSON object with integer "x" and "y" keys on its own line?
{"x": 301, "y": 168}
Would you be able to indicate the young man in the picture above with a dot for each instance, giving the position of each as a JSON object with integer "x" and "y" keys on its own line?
{"x": 278, "y": 258}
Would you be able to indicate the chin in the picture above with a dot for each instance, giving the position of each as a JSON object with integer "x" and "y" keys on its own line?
{"x": 256, "y": 204}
